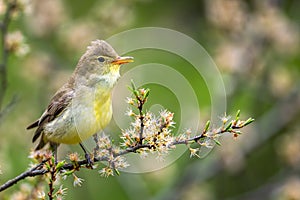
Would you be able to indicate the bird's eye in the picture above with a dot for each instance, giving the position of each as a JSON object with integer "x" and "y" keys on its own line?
{"x": 101, "y": 59}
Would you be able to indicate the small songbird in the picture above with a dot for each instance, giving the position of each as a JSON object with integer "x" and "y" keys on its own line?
{"x": 82, "y": 106}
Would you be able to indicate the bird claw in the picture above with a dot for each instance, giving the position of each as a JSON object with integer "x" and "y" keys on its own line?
{"x": 90, "y": 162}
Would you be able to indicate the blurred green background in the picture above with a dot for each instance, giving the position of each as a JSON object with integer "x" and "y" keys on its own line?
{"x": 256, "y": 46}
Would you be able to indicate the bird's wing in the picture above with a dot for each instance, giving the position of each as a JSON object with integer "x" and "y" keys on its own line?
{"x": 57, "y": 105}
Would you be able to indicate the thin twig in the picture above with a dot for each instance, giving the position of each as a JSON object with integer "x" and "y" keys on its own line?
{"x": 34, "y": 171}
{"x": 141, "y": 117}
{"x": 52, "y": 180}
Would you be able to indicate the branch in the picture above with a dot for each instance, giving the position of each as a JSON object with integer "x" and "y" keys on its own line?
{"x": 39, "y": 168}
{"x": 34, "y": 171}
{"x": 141, "y": 98}
{"x": 154, "y": 137}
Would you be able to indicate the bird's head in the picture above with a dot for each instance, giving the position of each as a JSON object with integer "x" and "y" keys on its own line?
{"x": 100, "y": 63}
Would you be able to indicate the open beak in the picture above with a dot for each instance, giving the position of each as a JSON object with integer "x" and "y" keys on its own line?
{"x": 123, "y": 60}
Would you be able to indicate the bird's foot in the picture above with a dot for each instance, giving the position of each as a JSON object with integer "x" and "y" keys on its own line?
{"x": 90, "y": 161}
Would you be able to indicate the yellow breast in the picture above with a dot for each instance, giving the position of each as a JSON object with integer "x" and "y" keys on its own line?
{"x": 102, "y": 108}
{"x": 90, "y": 114}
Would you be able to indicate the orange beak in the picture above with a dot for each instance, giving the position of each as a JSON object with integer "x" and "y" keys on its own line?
{"x": 123, "y": 60}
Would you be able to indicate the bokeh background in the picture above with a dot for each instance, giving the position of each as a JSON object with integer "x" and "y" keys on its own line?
{"x": 256, "y": 46}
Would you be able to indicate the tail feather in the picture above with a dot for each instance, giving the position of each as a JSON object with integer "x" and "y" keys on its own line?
{"x": 37, "y": 133}
{"x": 33, "y": 125}
{"x": 41, "y": 144}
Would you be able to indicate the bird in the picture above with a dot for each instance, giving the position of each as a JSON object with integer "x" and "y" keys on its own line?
{"x": 83, "y": 105}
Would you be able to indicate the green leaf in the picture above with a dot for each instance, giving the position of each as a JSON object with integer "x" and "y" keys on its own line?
{"x": 228, "y": 126}
{"x": 130, "y": 89}
{"x": 60, "y": 165}
{"x": 47, "y": 165}
{"x": 206, "y": 126}
{"x": 117, "y": 172}
{"x": 248, "y": 121}
{"x": 133, "y": 89}
{"x": 136, "y": 93}
{"x": 132, "y": 85}
{"x": 52, "y": 159}
{"x": 237, "y": 116}
{"x": 146, "y": 93}
{"x": 68, "y": 172}
{"x": 217, "y": 142}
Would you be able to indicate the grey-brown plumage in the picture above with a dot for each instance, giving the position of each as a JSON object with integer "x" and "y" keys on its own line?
{"x": 58, "y": 103}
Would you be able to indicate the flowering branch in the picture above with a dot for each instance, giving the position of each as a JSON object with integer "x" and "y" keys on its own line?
{"x": 140, "y": 100}
{"x": 147, "y": 134}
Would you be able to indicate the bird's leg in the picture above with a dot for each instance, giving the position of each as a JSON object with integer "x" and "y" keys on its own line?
{"x": 54, "y": 150}
{"x": 96, "y": 149}
{"x": 87, "y": 156}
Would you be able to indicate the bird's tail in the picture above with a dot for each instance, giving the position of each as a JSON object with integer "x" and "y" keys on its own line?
{"x": 41, "y": 144}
